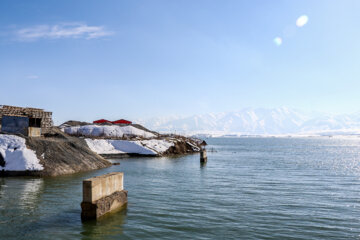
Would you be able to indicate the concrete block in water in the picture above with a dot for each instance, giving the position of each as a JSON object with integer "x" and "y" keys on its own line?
{"x": 102, "y": 186}
{"x": 102, "y": 194}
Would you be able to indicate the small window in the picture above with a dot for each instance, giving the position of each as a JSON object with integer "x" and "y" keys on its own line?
{"x": 35, "y": 122}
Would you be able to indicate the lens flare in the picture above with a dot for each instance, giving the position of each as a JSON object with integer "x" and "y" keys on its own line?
{"x": 278, "y": 41}
{"x": 302, "y": 20}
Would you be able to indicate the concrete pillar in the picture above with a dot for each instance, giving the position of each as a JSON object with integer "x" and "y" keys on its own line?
{"x": 102, "y": 194}
{"x": 203, "y": 155}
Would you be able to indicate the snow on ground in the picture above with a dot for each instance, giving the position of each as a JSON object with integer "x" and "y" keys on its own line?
{"x": 132, "y": 147}
{"x": 156, "y": 145}
{"x": 107, "y": 131}
{"x": 159, "y": 146}
{"x": 101, "y": 146}
{"x": 16, "y": 155}
{"x": 145, "y": 147}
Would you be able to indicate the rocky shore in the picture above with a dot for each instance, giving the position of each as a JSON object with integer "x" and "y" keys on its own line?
{"x": 114, "y": 140}
{"x": 83, "y": 147}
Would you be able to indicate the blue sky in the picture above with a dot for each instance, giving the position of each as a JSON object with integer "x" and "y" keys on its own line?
{"x": 136, "y": 59}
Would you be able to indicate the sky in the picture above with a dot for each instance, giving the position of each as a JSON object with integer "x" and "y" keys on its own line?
{"x": 134, "y": 59}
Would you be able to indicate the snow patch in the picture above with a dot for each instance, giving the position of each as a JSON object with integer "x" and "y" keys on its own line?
{"x": 107, "y": 131}
{"x": 102, "y": 146}
{"x": 16, "y": 155}
{"x": 159, "y": 146}
{"x": 132, "y": 147}
{"x": 144, "y": 147}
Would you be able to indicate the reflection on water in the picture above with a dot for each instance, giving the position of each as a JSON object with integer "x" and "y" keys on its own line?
{"x": 23, "y": 192}
{"x": 203, "y": 164}
{"x": 109, "y": 225}
{"x": 30, "y": 195}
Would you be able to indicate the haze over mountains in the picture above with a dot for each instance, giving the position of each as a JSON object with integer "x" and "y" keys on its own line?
{"x": 259, "y": 121}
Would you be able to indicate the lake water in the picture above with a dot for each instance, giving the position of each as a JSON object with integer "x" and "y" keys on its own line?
{"x": 251, "y": 188}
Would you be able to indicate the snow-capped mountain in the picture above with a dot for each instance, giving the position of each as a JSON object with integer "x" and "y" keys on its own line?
{"x": 259, "y": 121}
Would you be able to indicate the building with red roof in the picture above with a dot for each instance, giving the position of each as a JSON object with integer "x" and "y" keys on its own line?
{"x": 122, "y": 121}
{"x": 102, "y": 121}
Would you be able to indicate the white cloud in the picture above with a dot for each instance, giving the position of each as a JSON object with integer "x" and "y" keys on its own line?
{"x": 302, "y": 20}
{"x": 32, "y": 77}
{"x": 278, "y": 41}
{"x": 63, "y": 30}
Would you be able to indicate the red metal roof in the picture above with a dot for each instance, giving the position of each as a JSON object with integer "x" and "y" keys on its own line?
{"x": 102, "y": 121}
{"x": 121, "y": 121}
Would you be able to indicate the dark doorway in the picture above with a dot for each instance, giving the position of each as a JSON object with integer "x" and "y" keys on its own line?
{"x": 35, "y": 122}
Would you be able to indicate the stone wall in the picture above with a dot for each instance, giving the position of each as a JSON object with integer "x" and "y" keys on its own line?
{"x": 46, "y": 117}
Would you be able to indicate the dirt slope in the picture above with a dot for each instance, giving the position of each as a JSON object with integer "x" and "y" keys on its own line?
{"x": 62, "y": 154}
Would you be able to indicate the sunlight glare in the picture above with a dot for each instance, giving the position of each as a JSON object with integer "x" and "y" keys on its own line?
{"x": 302, "y": 20}
{"x": 278, "y": 41}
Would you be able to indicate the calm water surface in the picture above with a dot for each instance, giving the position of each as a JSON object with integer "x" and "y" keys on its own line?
{"x": 251, "y": 188}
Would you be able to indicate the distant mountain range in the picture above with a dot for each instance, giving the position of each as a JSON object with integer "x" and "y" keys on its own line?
{"x": 251, "y": 121}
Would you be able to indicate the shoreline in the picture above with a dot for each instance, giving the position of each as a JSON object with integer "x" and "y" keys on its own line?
{"x": 58, "y": 153}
